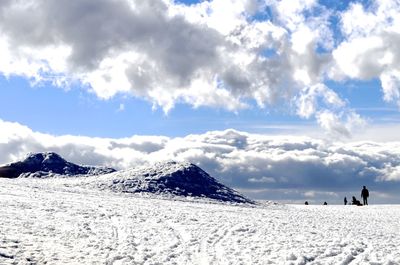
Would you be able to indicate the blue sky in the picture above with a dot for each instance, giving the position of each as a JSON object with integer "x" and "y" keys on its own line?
{"x": 79, "y": 112}
{"x": 309, "y": 85}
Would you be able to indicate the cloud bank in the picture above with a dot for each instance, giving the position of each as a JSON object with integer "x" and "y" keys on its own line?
{"x": 262, "y": 166}
{"x": 223, "y": 54}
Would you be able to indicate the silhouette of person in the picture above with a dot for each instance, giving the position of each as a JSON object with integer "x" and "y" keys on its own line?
{"x": 325, "y": 203}
{"x": 345, "y": 201}
{"x": 306, "y": 203}
{"x": 354, "y": 201}
{"x": 365, "y": 195}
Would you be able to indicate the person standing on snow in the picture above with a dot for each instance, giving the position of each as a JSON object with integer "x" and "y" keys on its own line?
{"x": 365, "y": 195}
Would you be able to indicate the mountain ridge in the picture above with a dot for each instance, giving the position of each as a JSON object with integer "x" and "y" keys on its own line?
{"x": 46, "y": 164}
{"x": 176, "y": 178}
{"x": 163, "y": 178}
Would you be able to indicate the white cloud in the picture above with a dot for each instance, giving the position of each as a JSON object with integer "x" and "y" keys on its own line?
{"x": 370, "y": 48}
{"x": 308, "y": 102}
{"x": 262, "y": 180}
{"x": 313, "y": 194}
{"x": 242, "y": 160}
{"x": 291, "y": 11}
{"x": 390, "y": 173}
{"x": 214, "y": 53}
{"x": 339, "y": 124}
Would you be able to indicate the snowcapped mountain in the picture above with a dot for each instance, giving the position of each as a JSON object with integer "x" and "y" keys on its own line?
{"x": 47, "y": 164}
{"x": 164, "y": 178}
{"x": 170, "y": 178}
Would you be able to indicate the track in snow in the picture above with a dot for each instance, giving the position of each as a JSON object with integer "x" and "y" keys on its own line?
{"x": 45, "y": 221}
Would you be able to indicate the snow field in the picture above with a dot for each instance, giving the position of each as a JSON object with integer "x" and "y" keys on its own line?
{"x": 48, "y": 221}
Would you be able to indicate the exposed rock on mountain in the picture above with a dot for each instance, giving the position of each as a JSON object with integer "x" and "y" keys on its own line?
{"x": 47, "y": 164}
{"x": 181, "y": 179}
{"x": 168, "y": 178}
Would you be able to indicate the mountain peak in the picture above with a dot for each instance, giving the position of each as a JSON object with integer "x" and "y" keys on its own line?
{"x": 47, "y": 163}
{"x": 44, "y": 158}
{"x": 162, "y": 178}
{"x": 175, "y": 178}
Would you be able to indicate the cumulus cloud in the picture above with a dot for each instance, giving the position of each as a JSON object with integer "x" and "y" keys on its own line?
{"x": 309, "y": 100}
{"x": 125, "y": 46}
{"x": 340, "y": 124}
{"x": 262, "y": 166}
{"x": 224, "y": 54}
{"x": 371, "y": 46}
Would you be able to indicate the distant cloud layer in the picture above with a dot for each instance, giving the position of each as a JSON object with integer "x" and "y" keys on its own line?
{"x": 217, "y": 53}
{"x": 273, "y": 167}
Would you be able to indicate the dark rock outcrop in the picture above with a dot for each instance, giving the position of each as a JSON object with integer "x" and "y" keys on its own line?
{"x": 181, "y": 179}
{"x": 46, "y": 164}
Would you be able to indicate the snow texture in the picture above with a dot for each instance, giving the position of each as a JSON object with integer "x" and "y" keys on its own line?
{"x": 52, "y": 221}
{"x": 47, "y": 164}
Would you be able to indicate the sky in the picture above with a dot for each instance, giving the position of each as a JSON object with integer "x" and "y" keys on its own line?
{"x": 287, "y": 100}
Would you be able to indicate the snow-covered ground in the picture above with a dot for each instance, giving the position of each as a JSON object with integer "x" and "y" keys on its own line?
{"x": 47, "y": 221}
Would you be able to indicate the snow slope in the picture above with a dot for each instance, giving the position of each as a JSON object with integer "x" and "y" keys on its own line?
{"x": 53, "y": 221}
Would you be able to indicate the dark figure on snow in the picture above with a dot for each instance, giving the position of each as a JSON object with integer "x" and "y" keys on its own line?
{"x": 325, "y": 203}
{"x": 354, "y": 201}
{"x": 306, "y": 203}
{"x": 365, "y": 195}
{"x": 345, "y": 201}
